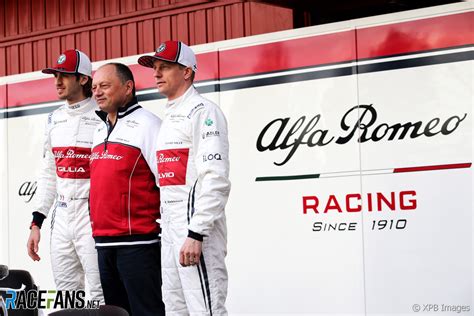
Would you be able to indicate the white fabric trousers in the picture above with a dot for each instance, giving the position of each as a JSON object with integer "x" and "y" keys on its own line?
{"x": 195, "y": 290}
{"x": 73, "y": 253}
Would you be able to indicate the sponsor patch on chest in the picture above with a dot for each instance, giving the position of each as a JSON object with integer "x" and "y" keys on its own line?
{"x": 72, "y": 162}
{"x": 172, "y": 166}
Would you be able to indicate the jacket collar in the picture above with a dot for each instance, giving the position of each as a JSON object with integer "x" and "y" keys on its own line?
{"x": 80, "y": 107}
{"x": 176, "y": 102}
{"x": 129, "y": 108}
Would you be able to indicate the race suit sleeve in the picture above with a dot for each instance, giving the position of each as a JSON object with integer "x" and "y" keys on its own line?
{"x": 150, "y": 139}
{"x": 46, "y": 188}
{"x": 211, "y": 157}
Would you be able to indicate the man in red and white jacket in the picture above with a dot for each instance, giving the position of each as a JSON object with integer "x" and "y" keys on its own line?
{"x": 124, "y": 198}
{"x": 193, "y": 165}
{"x": 64, "y": 176}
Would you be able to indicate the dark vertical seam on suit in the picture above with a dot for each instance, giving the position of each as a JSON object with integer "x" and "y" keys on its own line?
{"x": 192, "y": 198}
{"x": 53, "y": 217}
{"x": 206, "y": 280}
{"x": 202, "y": 287}
{"x": 189, "y": 199}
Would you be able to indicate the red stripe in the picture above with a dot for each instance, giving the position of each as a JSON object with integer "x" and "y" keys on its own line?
{"x": 208, "y": 66}
{"x": 429, "y": 168}
{"x": 303, "y": 52}
{"x": 31, "y": 92}
{"x": 143, "y": 77}
{"x": 378, "y": 41}
{"x": 412, "y": 36}
{"x": 3, "y": 96}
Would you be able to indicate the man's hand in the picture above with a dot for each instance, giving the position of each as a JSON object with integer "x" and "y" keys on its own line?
{"x": 33, "y": 241}
{"x": 190, "y": 252}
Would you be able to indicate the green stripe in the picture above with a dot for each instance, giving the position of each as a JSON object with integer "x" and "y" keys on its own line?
{"x": 285, "y": 178}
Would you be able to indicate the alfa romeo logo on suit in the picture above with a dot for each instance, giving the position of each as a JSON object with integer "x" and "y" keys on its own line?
{"x": 61, "y": 59}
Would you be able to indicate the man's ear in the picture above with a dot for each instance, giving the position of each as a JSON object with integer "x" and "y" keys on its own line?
{"x": 129, "y": 85}
{"x": 83, "y": 80}
{"x": 188, "y": 73}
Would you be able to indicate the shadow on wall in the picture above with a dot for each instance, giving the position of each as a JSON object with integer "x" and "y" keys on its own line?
{"x": 395, "y": 40}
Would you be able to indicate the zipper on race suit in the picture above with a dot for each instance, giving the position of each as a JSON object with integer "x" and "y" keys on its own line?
{"x": 110, "y": 128}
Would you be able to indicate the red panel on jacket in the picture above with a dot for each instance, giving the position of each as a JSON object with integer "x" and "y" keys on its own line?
{"x": 124, "y": 199}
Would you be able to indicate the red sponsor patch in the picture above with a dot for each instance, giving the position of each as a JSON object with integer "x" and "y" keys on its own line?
{"x": 72, "y": 162}
{"x": 172, "y": 166}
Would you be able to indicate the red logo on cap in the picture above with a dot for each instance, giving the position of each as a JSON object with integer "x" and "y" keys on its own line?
{"x": 168, "y": 51}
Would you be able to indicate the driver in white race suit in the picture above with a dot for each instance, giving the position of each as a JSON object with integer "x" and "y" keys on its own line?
{"x": 64, "y": 176}
{"x": 193, "y": 175}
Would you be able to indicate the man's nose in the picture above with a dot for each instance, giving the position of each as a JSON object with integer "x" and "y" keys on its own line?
{"x": 96, "y": 92}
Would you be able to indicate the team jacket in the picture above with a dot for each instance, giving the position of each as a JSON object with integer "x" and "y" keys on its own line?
{"x": 124, "y": 199}
{"x": 193, "y": 164}
{"x": 65, "y": 165}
